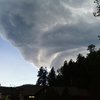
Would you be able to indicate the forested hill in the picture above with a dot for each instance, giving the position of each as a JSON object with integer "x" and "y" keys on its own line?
{"x": 25, "y": 89}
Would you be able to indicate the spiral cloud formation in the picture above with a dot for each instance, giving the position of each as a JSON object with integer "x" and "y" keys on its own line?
{"x": 47, "y": 32}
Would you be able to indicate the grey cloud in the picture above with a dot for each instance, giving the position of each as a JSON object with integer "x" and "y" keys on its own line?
{"x": 75, "y": 3}
{"x": 17, "y": 30}
{"x": 45, "y": 30}
{"x": 71, "y": 54}
{"x": 71, "y": 35}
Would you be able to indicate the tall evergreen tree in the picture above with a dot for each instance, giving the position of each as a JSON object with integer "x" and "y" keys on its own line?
{"x": 42, "y": 74}
{"x": 52, "y": 77}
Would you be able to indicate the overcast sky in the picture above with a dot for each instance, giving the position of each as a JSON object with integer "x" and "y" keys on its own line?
{"x": 47, "y": 32}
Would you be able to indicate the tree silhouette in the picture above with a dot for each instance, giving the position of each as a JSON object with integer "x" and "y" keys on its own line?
{"x": 83, "y": 73}
{"x": 42, "y": 74}
{"x": 52, "y": 77}
{"x": 97, "y": 11}
{"x": 99, "y": 37}
{"x": 91, "y": 48}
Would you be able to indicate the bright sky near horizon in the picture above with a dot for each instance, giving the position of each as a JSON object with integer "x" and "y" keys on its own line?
{"x": 14, "y": 70}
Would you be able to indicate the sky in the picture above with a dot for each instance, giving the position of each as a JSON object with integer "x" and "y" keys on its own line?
{"x": 14, "y": 70}
{"x": 35, "y": 33}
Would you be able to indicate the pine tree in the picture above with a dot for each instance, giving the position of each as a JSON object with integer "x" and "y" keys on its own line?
{"x": 42, "y": 74}
{"x": 51, "y": 77}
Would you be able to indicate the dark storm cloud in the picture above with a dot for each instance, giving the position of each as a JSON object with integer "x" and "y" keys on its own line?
{"x": 71, "y": 36}
{"x": 48, "y": 31}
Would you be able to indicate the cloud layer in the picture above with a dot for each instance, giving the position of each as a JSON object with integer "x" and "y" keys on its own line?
{"x": 49, "y": 31}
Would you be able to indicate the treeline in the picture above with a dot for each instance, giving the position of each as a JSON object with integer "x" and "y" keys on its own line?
{"x": 82, "y": 73}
